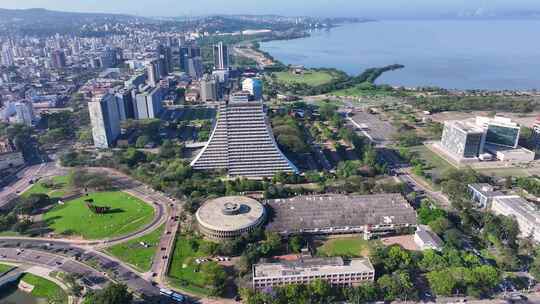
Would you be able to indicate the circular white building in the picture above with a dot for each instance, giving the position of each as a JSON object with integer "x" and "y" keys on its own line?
{"x": 229, "y": 217}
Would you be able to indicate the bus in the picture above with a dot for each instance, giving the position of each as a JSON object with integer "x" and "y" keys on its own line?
{"x": 173, "y": 295}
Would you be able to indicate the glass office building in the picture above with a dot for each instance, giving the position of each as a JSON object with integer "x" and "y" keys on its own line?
{"x": 502, "y": 135}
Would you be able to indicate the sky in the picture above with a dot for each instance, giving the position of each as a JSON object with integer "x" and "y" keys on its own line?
{"x": 344, "y": 8}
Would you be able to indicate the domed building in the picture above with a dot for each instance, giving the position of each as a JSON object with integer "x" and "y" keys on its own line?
{"x": 229, "y": 217}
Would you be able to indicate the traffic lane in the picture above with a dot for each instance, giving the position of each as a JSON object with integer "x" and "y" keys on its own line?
{"x": 54, "y": 262}
{"x": 118, "y": 271}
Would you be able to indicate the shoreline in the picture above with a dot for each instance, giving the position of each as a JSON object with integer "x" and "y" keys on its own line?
{"x": 455, "y": 91}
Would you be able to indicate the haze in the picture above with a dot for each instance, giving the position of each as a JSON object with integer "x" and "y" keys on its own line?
{"x": 366, "y": 8}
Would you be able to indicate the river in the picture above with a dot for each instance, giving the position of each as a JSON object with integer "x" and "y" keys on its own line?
{"x": 454, "y": 54}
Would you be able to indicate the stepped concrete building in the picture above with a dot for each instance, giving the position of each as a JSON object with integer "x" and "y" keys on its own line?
{"x": 243, "y": 144}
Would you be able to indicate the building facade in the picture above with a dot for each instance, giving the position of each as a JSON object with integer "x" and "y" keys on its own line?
{"x": 24, "y": 113}
{"x": 105, "y": 120}
{"x": 525, "y": 213}
{"x": 209, "y": 89}
{"x": 149, "y": 103}
{"x": 221, "y": 57}
{"x": 9, "y": 156}
{"x": 254, "y": 87}
{"x": 336, "y": 271}
{"x": 372, "y": 215}
{"x": 242, "y": 143}
{"x": 462, "y": 139}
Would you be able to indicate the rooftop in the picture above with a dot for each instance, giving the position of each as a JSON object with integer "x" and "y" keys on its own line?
{"x": 486, "y": 190}
{"x": 520, "y": 207}
{"x": 312, "y": 266}
{"x": 230, "y": 213}
{"x": 335, "y": 211}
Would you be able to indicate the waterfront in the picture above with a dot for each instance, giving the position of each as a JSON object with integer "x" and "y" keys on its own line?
{"x": 460, "y": 54}
{"x": 12, "y": 295}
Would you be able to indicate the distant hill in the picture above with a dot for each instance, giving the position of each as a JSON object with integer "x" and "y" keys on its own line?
{"x": 40, "y": 16}
{"x": 38, "y": 21}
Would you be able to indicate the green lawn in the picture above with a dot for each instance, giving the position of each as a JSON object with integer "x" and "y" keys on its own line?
{"x": 44, "y": 288}
{"x": 184, "y": 272}
{"x": 135, "y": 254}
{"x": 59, "y": 189}
{"x": 504, "y": 172}
{"x": 74, "y": 218}
{"x": 347, "y": 246}
{"x": 311, "y": 78}
{"x": 4, "y": 268}
{"x": 358, "y": 91}
{"x": 434, "y": 161}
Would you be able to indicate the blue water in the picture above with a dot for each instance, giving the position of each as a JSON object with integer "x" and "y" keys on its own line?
{"x": 454, "y": 54}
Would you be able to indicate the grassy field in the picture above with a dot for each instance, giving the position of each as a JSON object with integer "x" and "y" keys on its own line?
{"x": 437, "y": 164}
{"x": 184, "y": 272}
{"x": 59, "y": 189}
{"x": 44, "y": 288}
{"x": 514, "y": 172}
{"x": 4, "y": 268}
{"x": 348, "y": 246}
{"x": 135, "y": 254}
{"x": 358, "y": 91}
{"x": 311, "y": 78}
{"x": 74, "y": 218}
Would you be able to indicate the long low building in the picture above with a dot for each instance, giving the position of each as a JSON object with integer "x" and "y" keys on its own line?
{"x": 376, "y": 214}
{"x": 336, "y": 271}
{"x": 526, "y": 214}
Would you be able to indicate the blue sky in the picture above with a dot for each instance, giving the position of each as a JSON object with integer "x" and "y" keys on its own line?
{"x": 353, "y": 8}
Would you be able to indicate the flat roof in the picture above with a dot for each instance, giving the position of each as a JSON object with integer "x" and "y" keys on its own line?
{"x": 312, "y": 266}
{"x": 335, "y": 211}
{"x": 520, "y": 207}
{"x": 465, "y": 126}
{"x": 230, "y": 213}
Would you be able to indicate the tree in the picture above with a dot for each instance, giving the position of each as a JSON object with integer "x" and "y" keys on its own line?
{"x": 442, "y": 282}
{"x": 214, "y": 277}
{"x": 397, "y": 285}
{"x": 397, "y": 258}
{"x": 296, "y": 243}
{"x": 112, "y": 294}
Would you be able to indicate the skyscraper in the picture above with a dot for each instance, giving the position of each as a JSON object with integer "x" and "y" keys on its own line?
{"x": 186, "y": 53}
{"x": 221, "y": 57}
{"x": 209, "y": 88}
{"x": 152, "y": 72}
{"x": 165, "y": 56}
{"x": 148, "y": 103}
{"x": 254, "y": 87}
{"x": 124, "y": 101}
{"x": 59, "y": 59}
{"x": 7, "y": 56}
{"x": 24, "y": 112}
{"x": 195, "y": 67}
{"x": 105, "y": 120}
{"x": 243, "y": 144}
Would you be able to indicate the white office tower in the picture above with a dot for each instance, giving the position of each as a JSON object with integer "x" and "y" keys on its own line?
{"x": 105, "y": 120}
{"x": 221, "y": 57}
{"x": 243, "y": 144}
{"x": 254, "y": 87}
{"x": 24, "y": 113}
{"x": 148, "y": 103}
{"x": 152, "y": 72}
{"x": 209, "y": 89}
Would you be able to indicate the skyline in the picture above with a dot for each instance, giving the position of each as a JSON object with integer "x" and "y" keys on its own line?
{"x": 337, "y": 8}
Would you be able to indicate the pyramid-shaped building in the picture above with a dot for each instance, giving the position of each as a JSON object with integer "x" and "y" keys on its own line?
{"x": 243, "y": 144}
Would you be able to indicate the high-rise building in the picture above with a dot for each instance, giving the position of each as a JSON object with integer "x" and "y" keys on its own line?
{"x": 209, "y": 89}
{"x": 59, "y": 59}
{"x": 24, "y": 112}
{"x": 165, "y": 56}
{"x": 500, "y": 131}
{"x": 221, "y": 57}
{"x": 105, "y": 120}
{"x": 124, "y": 101}
{"x": 254, "y": 87}
{"x": 195, "y": 67}
{"x": 148, "y": 103}
{"x": 462, "y": 139}
{"x": 243, "y": 144}
{"x": 153, "y": 73}
{"x": 7, "y": 56}
{"x": 109, "y": 58}
{"x": 186, "y": 53}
